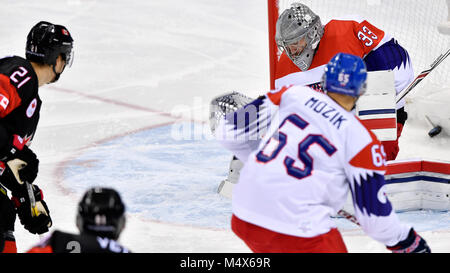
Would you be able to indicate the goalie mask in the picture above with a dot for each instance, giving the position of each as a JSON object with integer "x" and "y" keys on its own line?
{"x": 298, "y": 33}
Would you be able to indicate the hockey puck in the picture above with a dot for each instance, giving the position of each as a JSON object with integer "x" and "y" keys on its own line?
{"x": 435, "y": 131}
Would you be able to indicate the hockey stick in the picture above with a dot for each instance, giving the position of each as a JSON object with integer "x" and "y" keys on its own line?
{"x": 422, "y": 75}
{"x": 348, "y": 216}
{"x": 15, "y": 165}
{"x": 34, "y": 210}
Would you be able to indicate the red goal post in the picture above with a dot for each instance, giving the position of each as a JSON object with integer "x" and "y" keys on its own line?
{"x": 273, "y": 48}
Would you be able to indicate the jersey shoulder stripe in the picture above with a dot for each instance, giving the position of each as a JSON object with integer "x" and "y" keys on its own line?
{"x": 372, "y": 156}
{"x": 275, "y": 95}
{"x": 9, "y": 98}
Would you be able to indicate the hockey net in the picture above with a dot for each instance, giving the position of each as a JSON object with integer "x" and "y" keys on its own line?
{"x": 414, "y": 23}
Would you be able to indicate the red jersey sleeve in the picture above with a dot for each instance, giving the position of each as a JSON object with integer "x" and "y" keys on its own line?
{"x": 275, "y": 96}
{"x": 9, "y": 98}
{"x": 368, "y": 35}
{"x": 372, "y": 156}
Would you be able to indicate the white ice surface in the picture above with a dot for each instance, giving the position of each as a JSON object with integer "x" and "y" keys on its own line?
{"x": 139, "y": 67}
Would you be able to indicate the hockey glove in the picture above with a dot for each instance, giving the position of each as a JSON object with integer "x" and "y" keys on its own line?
{"x": 19, "y": 164}
{"x": 32, "y": 210}
{"x": 412, "y": 244}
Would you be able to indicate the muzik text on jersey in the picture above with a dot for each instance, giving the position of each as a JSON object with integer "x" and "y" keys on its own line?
{"x": 327, "y": 111}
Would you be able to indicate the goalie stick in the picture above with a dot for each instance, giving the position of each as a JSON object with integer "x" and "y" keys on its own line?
{"x": 422, "y": 75}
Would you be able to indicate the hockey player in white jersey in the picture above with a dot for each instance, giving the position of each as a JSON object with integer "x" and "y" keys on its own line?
{"x": 299, "y": 174}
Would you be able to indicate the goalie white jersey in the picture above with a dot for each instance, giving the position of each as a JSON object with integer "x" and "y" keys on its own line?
{"x": 300, "y": 173}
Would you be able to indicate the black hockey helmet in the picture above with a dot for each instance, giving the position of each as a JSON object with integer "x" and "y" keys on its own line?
{"x": 46, "y": 41}
{"x": 101, "y": 212}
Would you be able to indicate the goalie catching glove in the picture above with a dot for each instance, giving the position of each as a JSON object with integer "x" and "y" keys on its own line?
{"x": 31, "y": 208}
{"x": 225, "y": 104}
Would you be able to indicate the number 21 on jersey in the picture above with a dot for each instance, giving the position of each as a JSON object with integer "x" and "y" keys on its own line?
{"x": 277, "y": 142}
{"x": 21, "y": 74}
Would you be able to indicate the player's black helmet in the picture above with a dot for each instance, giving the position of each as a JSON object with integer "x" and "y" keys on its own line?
{"x": 46, "y": 41}
{"x": 101, "y": 212}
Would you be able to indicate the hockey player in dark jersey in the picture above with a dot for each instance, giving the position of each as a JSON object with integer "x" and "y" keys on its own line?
{"x": 49, "y": 49}
{"x": 100, "y": 219}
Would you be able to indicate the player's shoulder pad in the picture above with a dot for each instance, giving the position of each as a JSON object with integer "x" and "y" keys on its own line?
{"x": 275, "y": 96}
{"x": 23, "y": 77}
{"x": 9, "y": 64}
